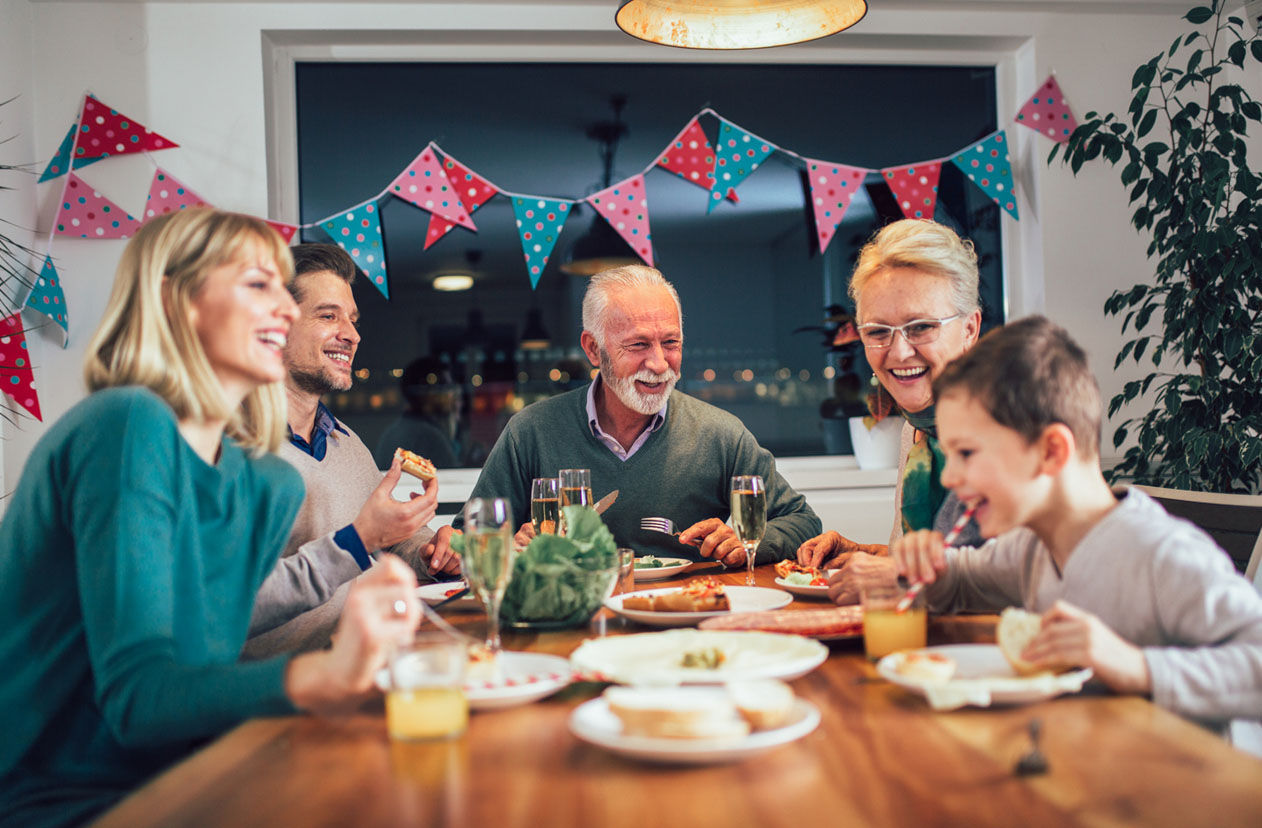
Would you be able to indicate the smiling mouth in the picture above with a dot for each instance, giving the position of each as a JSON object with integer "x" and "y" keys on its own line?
{"x": 274, "y": 340}
{"x": 910, "y": 373}
{"x": 340, "y": 357}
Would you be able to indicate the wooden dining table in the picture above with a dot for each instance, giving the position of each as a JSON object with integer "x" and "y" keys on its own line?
{"x": 880, "y": 756}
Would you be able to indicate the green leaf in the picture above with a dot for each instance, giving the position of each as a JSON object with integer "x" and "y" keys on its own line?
{"x": 1251, "y": 110}
{"x": 1256, "y": 48}
{"x": 1194, "y": 60}
{"x": 1146, "y": 124}
{"x": 1198, "y": 15}
{"x": 1236, "y": 53}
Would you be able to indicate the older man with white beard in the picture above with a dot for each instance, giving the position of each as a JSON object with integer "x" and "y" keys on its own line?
{"x": 668, "y": 454}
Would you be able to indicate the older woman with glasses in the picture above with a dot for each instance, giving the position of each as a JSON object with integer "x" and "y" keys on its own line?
{"x": 915, "y": 295}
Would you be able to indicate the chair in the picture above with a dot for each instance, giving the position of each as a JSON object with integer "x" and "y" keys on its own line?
{"x": 1233, "y": 521}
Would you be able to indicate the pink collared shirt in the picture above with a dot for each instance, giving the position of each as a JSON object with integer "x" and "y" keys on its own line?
{"x": 609, "y": 442}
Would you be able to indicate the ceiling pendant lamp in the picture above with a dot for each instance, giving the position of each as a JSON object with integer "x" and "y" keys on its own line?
{"x": 736, "y": 24}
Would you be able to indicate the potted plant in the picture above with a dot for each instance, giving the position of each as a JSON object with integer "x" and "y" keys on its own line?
{"x": 1199, "y": 320}
{"x": 16, "y": 274}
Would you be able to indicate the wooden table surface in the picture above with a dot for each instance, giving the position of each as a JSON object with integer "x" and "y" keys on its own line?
{"x": 879, "y": 757}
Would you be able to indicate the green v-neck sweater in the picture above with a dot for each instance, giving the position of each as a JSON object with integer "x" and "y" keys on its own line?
{"x": 682, "y": 472}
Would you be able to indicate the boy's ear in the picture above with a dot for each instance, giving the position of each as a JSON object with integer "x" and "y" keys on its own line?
{"x": 1056, "y": 447}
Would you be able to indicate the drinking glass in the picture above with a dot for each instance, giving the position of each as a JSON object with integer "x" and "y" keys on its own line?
{"x": 749, "y": 516}
{"x": 487, "y": 558}
{"x": 885, "y": 629}
{"x": 626, "y": 571}
{"x": 426, "y": 698}
{"x": 545, "y": 504}
{"x": 576, "y": 490}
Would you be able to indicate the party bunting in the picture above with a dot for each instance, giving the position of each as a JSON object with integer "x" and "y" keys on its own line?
{"x": 832, "y": 187}
{"x": 358, "y": 232}
{"x": 104, "y": 131}
{"x": 87, "y": 214}
{"x": 473, "y": 189}
{"x": 739, "y": 154}
{"x": 986, "y": 165}
{"x": 623, "y": 205}
{"x": 16, "y": 378}
{"x": 168, "y": 194}
{"x": 539, "y": 223}
{"x": 1048, "y": 112}
{"x": 915, "y": 187}
{"x": 286, "y": 230}
{"x": 47, "y": 296}
{"x": 425, "y": 184}
{"x": 691, "y": 158}
{"x": 61, "y": 161}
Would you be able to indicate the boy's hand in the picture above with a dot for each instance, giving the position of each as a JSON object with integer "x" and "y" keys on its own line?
{"x": 919, "y": 556}
{"x": 1073, "y": 636}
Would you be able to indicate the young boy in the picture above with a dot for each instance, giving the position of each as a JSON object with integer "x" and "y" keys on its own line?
{"x": 1147, "y": 601}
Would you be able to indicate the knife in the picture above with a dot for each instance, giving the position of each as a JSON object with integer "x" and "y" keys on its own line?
{"x": 606, "y": 501}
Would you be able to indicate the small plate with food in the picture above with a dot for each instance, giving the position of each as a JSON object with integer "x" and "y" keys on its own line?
{"x": 507, "y": 679}
{"x": 806, "y": 581}
{"x": 439, "y": 592}
{"x": 673, "y": 657}
{"x": 697, "y": 600}
{"x": 654, "y": 568}
{"x": 694, "y": 725}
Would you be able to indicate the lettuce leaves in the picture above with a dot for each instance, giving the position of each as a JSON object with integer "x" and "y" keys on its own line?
{"x": 563, "y": 580}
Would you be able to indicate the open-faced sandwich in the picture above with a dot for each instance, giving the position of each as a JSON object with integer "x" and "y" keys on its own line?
{"x": 693, "y": 713}
{"x": 416, "y": 465}
{"x": 698, "y": 595}
{"x": 931, "y": 668}
{"x": 800, "y": 575}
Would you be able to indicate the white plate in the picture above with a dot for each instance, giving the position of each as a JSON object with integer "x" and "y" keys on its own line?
{"x": 804, "y": 591}
{"x": 672, "y": 566}
{"x": 524, "y": 678}
{"x": 654, "y": 658}
{"x": 437, "y": 593}
{"x": 594, "y": 723}
{"x": 741, "y": 599}
{"x": 981, "y": 668}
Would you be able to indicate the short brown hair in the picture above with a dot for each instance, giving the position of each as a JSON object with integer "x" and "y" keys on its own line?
{"x": 315, "y": 258}
{"x": 1028, "y": 375}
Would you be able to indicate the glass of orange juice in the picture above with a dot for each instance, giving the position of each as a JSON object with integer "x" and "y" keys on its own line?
{"x": 885, "y": 629}
{"x": 426, "y": 698}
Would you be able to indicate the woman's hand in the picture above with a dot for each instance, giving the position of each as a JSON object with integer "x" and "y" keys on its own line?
{"x": 857, "y": 571}
{"x": 829, "y": 550}
{"x": 919, "y": 556}
{"x": 1071, "y": 636}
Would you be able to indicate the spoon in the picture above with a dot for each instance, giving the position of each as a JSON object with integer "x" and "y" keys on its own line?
{"x": 1033, "y": 763}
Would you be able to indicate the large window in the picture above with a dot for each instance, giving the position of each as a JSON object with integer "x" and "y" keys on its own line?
{"x": 749, "y": 274}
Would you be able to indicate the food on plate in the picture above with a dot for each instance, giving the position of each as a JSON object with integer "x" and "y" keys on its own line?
{"x": 482, "y": 665}
{"x": 931, "y": 668}
{"x": 450, "y": 592}
{"x": 707, "y": 658}
{"x": 1017, "y": 628}
{"x": 698, "y": 595}
{"x": 415, "y": 465}
{"x": 797, "y": 575}
{"x": 649, "y": 562}
{"x": 766, "y": 704}
{"x": 669, "y": 713}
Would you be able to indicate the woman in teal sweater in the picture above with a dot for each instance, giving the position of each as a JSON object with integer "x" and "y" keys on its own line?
{"x": 145, "y": 520}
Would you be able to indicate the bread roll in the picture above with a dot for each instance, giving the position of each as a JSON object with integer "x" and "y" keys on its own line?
{"x": 764, "y": 704}
{"x": 931, "y": 668}
{"x": 1017, "y": 628}
{"x": 674, "y": 713}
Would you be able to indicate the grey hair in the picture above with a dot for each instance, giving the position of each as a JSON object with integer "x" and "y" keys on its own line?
{"x": 921, "y": 245}
{"x": 597, "y": 299}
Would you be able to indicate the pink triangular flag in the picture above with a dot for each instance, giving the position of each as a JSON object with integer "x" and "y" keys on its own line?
{"x": 691, "y": 157}
{"x": 16, "y": 377}
{"x": 167, "y": 194}
{"x": 104, "y": 131}
{"x": 87, "y": 214}
{"x": 623, "y": 205}
{"x": 425, "y": 184}
{"x": 832, "y": 187}
{"x": 473, "y": 189}
{"x": 915, "y": 186}
{"x": 286, "y": 230}
{"x": 1048, "y": 112}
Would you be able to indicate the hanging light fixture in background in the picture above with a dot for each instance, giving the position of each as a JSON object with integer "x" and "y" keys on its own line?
{"x": 601, "y": 248}
{"x": 534, "y": 336}
{"x": 454, "y": 280}
{"x": 736, "y": 24}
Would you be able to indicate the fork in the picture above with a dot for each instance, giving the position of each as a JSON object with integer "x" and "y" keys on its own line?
{"x": 660, "y": 524}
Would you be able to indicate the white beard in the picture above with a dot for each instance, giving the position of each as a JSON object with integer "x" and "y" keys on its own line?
{"x": 624, "y": 387}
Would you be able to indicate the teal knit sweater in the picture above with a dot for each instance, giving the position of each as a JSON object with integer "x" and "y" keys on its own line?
{"x": 128, "y": 568}
{"x": 682, "y": 472}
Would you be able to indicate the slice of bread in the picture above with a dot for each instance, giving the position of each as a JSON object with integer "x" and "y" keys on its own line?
{"x": 931, "y": 668}
{"x": 765, "y": 704}
{"x": 674, "y": 713}
{"x": 1017, "y": 628}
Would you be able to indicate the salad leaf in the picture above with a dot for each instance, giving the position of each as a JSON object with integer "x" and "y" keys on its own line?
{"x": 563, "y": 579}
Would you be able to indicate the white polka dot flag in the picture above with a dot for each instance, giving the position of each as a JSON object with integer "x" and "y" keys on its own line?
{"x": 104, "y": 131}
{"x": 625, "y": 208}
{"x": 47, "y": 296}
{"x": 358, "y": 232}
{"x": 425, "y": 184}
{"x": 539, "y": 223}
{"x": 738, "y": 154}
{"x": 691, "y": 157}
{"x": 986, "y": 165}
{"x": 915, "y": 186}
{"x": 86, "y": 214}
{"x": 1048, "y": 112}
{"x": 473, "y": 189}
{"x": 16, "y": 378}
{"x": 167, "y": 194}
{"x": 61, "y": 161}
{"x": 832, "y": 187}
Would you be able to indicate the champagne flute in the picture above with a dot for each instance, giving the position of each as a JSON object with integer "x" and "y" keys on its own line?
{"x": 545, "y": 504}
{"x": 576, "y": 490}
{"x": 749, "y": 516}
{"x": 487, "y": 558}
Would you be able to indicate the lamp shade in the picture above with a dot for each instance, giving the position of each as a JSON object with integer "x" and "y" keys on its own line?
{"x": 600, "y": 248}
{"x": 736, "y": 24}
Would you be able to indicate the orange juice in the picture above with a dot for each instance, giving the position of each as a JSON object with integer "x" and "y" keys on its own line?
{"x": 886, "y": 631}
{"x": 426, "y": 713}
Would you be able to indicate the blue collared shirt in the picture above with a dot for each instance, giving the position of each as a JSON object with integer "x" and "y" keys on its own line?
{"x": 609, "y": 442}
{"x": 326, "y": 424}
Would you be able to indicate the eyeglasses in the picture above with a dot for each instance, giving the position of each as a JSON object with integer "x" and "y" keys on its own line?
{"x": 915, "y": 332}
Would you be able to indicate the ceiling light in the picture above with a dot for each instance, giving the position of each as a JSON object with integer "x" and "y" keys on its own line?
{"x": 453, "y": 282}
{"x": 736, "y": 24}
{"x": 534, "y": 337}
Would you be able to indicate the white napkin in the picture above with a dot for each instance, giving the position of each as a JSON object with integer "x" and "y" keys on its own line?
{"x": 955, "y": 694}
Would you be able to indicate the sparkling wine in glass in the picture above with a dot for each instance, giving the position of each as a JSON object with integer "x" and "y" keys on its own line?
{"x": 749, "y": 516}
{"x": 487, "y": 558}
{"x": 545, "y": 504}
{"x": 576, "y": 490}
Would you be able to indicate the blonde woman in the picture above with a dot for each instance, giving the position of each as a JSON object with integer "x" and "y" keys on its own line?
{"x": 143, "y": 524}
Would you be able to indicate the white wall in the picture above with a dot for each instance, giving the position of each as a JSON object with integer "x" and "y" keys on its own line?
{"x": 195, "y": 72}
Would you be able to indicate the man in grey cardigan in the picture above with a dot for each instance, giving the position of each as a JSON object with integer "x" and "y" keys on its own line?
{"x": 668, "y": 454}
{"x": 349, "y": 512}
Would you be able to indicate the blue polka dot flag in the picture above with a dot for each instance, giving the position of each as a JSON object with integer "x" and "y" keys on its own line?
{"x": 539, "y": 223}
{"x": 358, "y": 232}
{"x": 47, "y": 296}
{"x": 61, "y": 161}
{"x": 986, "y": 165}
{"x": 737, "y": 155}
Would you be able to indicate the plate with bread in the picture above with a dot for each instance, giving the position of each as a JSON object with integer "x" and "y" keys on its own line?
{"x": 697, "y": 600}
{"x": 436, "y": 593}
{"x": 505, "y": 679}
{"x": 674, "y": 657}
{"x": 695, "y": 725}
{"x": 806, "y": 581}
{"x": 654, "y": 568}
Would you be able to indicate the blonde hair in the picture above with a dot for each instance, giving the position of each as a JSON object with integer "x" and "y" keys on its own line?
{"x": 926, "y": 246}
{"x": 596, "y": 300}
{"x": 145, "y": 337}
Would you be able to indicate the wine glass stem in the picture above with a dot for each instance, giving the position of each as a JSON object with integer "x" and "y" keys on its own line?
{"x": 749, "y": 563}
{"x": 493, "y": 625}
